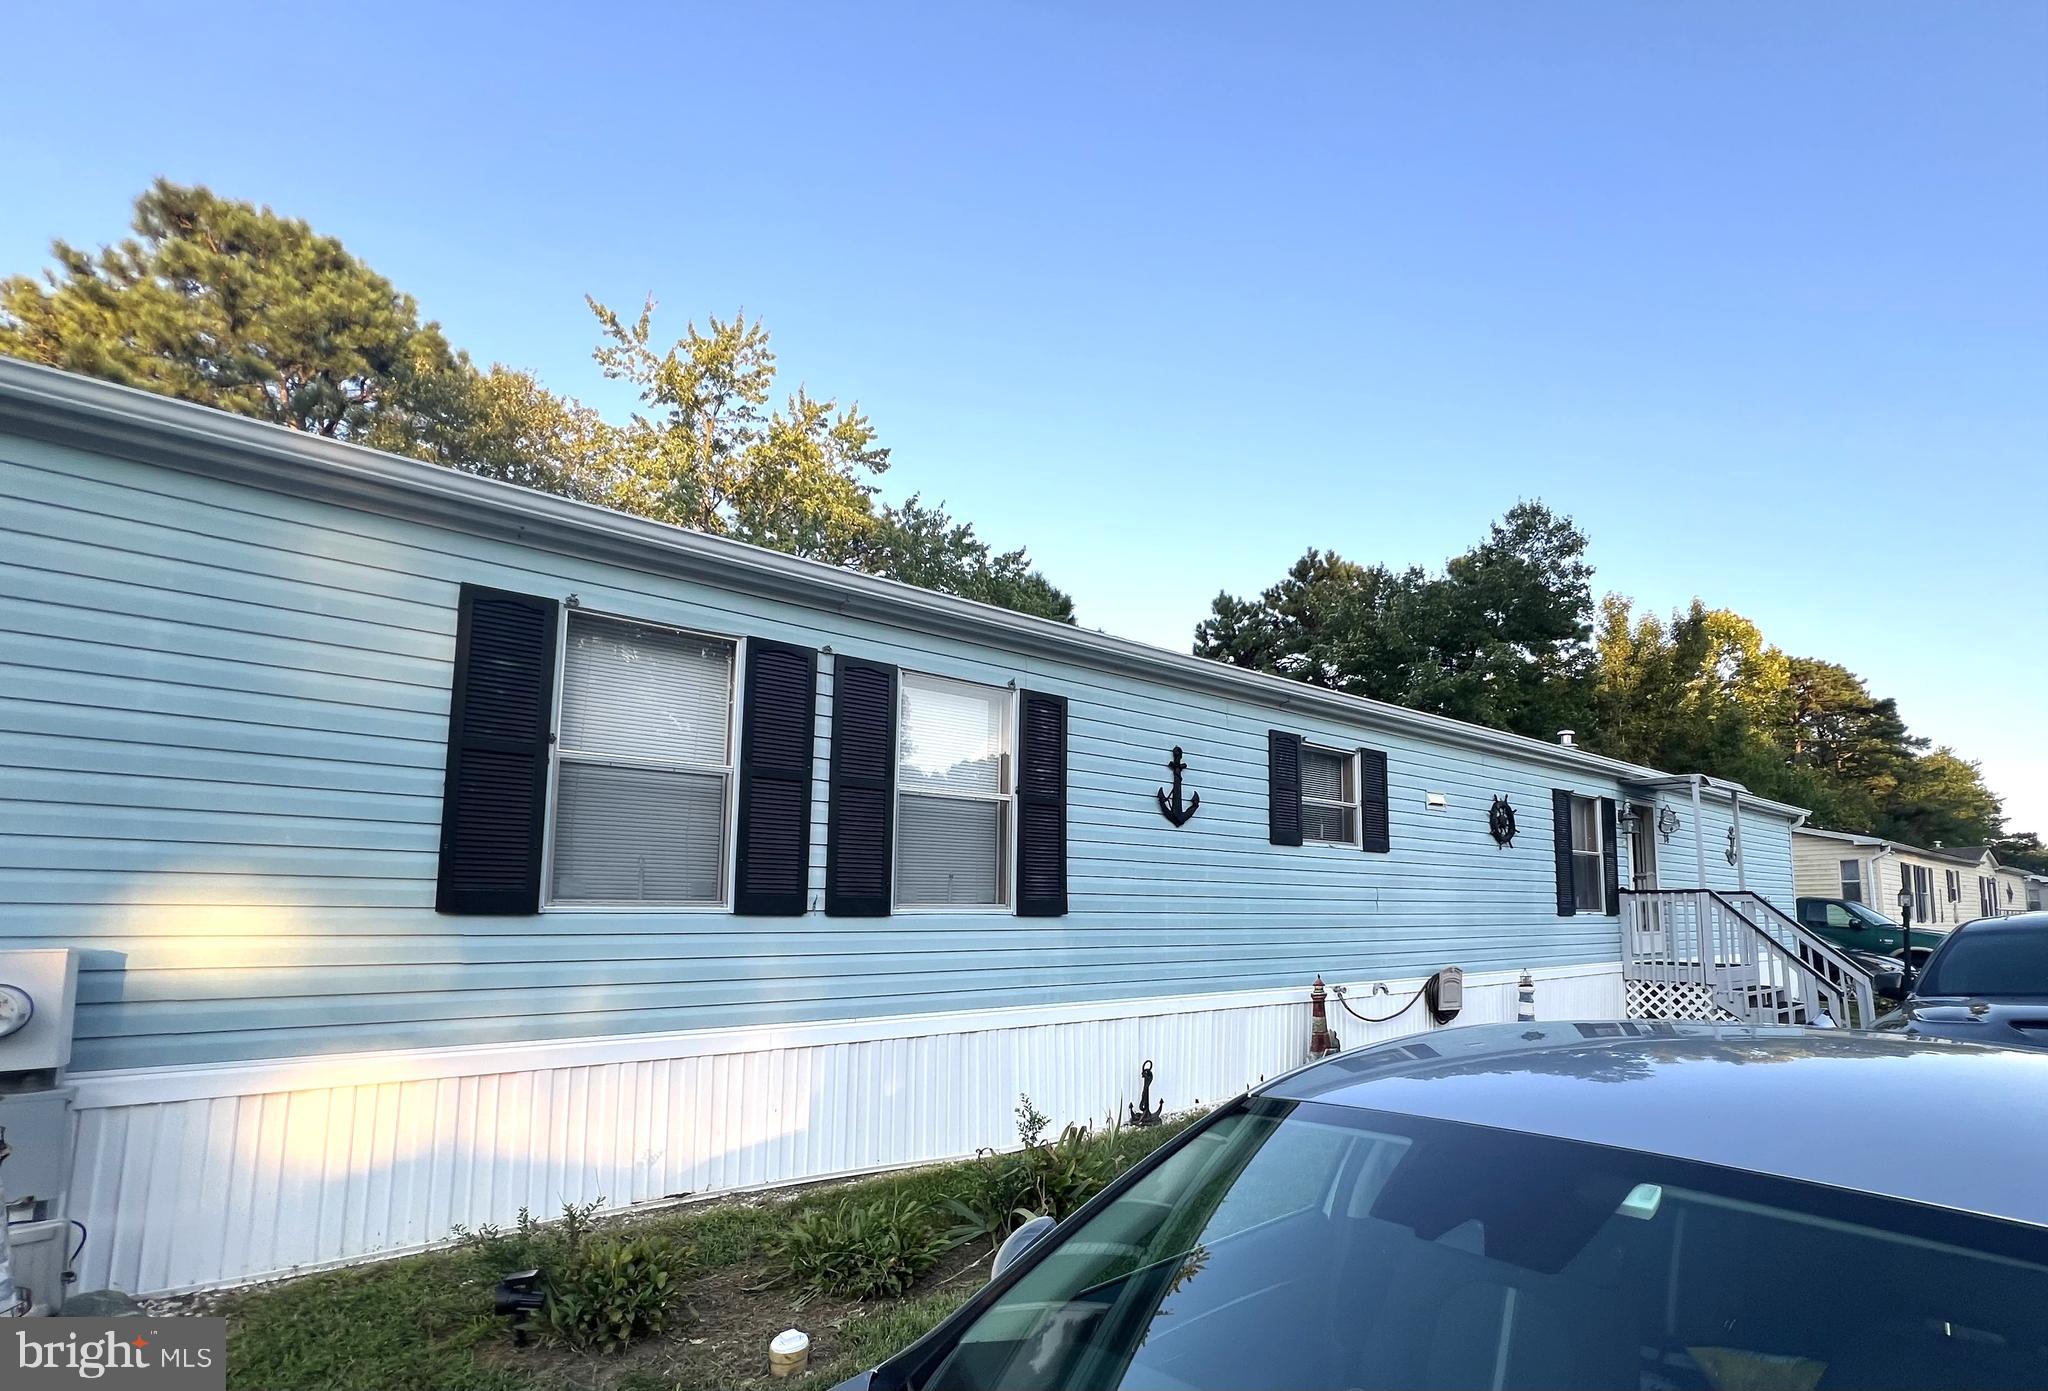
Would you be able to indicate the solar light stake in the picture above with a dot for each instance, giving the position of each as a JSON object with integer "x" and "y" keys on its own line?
{"x": 518, "y": 1297}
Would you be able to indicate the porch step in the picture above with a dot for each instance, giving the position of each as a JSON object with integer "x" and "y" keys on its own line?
{"x": 1757, "y": 1004}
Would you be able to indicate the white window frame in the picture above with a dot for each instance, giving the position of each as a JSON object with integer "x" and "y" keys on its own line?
{"x": 1598, "y": 850}
{"x": 1006, "y": 800}
{"x": 1351, "y": 785}
{"x": 1850, "y": 873}
{"x": 548, "y": 902}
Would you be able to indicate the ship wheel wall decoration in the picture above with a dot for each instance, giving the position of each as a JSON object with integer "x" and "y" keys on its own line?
{"x": 1500, "y": 820}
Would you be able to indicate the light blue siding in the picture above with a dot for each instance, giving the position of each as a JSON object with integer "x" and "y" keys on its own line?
{"x": 1766, "y": 848}
{"x": 222, "y": 714}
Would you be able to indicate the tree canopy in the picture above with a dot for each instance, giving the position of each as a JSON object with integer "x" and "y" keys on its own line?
{"x": 1508, "y": 635}
{"x": 1498, "y": 638}
{"x": 231, "y": 305}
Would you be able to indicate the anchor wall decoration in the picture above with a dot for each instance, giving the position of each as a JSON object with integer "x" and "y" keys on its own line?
{"x": 1171, "y": 807}
{"x": 1145, "y": 1113}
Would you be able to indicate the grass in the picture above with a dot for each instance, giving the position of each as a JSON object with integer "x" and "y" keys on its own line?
{"x": 424, "y": 1323}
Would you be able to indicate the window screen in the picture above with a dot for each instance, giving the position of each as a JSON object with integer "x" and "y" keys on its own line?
{"x": 643, "y": 769}
{"x": 1329, "y": 796}
{"x": 952, "y": 793}
{"x": 1589, "y": 876}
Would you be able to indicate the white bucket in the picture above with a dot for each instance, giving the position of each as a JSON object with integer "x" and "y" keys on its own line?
{"x": 789, "y": 1352}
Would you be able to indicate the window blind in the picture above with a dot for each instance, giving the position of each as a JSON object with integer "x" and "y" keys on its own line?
{"x": 642, "y": 776}
{"x": 949, "y": 851}
{"x": 645, "y": 693}
{"x": 1322, "y": 775}
{"x": 953, "y": 784}
{"x": 1587, "y": 871}
{"x": 953, "y": 737}
{"x": 638, "y": 835}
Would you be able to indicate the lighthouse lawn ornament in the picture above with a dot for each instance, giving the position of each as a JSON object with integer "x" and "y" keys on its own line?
{"x": 1321, "y": 1042}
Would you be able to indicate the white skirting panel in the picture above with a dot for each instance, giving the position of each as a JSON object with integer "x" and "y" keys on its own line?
{"x": 206, "y": 1176}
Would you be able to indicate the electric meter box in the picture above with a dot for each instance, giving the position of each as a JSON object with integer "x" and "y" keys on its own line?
{"x": 38, "y": 1167}
{"x": 44, "y": 986}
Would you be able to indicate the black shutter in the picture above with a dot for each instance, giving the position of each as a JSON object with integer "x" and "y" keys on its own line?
{"x": 861, "y": 811}
{"x": 494, "y": 799}
{"x": 1561, "y": 832}
{"x": 1610, "y": 857}
{"x": 1376, "y": 837}
{"x": 1283, "y": 787}
{"x": 778, "y": 725}
{"x": 1041, "y": 806}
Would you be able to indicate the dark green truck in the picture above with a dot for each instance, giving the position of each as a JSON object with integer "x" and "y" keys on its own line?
{"x": 1861, "y": 928}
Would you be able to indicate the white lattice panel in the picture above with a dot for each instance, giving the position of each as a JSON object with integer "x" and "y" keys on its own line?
{"x": 1656, "y": 999}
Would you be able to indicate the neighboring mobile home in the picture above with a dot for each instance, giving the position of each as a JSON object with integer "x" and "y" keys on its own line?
{"x": 1948, "y": 886}
{"x": 434, "y": 848}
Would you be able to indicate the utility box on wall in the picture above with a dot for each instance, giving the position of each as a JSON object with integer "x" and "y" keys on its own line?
{"x": 38, "y": 995}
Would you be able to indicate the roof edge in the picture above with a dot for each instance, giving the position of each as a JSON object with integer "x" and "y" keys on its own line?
{"x": 84, "y": 412}
{"x": 1960, "y": 855}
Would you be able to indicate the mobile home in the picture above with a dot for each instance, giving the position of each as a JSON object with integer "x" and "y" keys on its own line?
{"x": 431, "y": 848}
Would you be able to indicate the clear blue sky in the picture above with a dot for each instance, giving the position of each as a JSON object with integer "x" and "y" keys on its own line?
{"x": 1757, "y": 292}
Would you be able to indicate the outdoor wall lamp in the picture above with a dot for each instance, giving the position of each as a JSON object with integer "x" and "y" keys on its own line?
{"x": 1627, "y": 820}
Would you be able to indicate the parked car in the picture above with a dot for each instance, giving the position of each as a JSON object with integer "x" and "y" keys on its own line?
{"x": 1857, "y": 927}
{"x": 1555, "y": 1205}
{"x": 1988, "y": 983}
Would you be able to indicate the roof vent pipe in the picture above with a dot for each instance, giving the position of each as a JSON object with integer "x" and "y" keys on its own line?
{"x": 1564, "y": 736}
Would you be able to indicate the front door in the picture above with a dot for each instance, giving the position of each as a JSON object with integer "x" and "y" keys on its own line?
{"x": 1648, "y": 915}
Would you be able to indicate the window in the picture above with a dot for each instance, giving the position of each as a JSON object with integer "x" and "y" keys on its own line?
{"x": 952, "y": 794}
{"x": 1953, "y": 882}
{"x": 1589, "y": 875}
{"x": 1852, "y": 880}
{"x": 1991, "y": 959}
{"x": 1923, "y": 894}
{"x": 1329, "y": 796}
{"x": 643, "y": 766}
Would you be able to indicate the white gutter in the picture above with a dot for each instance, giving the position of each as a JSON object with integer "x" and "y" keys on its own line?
{"x": 84, "y": 413}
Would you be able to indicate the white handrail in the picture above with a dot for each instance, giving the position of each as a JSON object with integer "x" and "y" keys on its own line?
{"x": 1821, "y": 955}
{"x": 1714, "y": 943}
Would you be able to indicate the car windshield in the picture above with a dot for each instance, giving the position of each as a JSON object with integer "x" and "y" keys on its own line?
{"x": 1869, "y": 916}
{"x": 1301, "y": 1245}
{"x": 1991, "y": 962}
